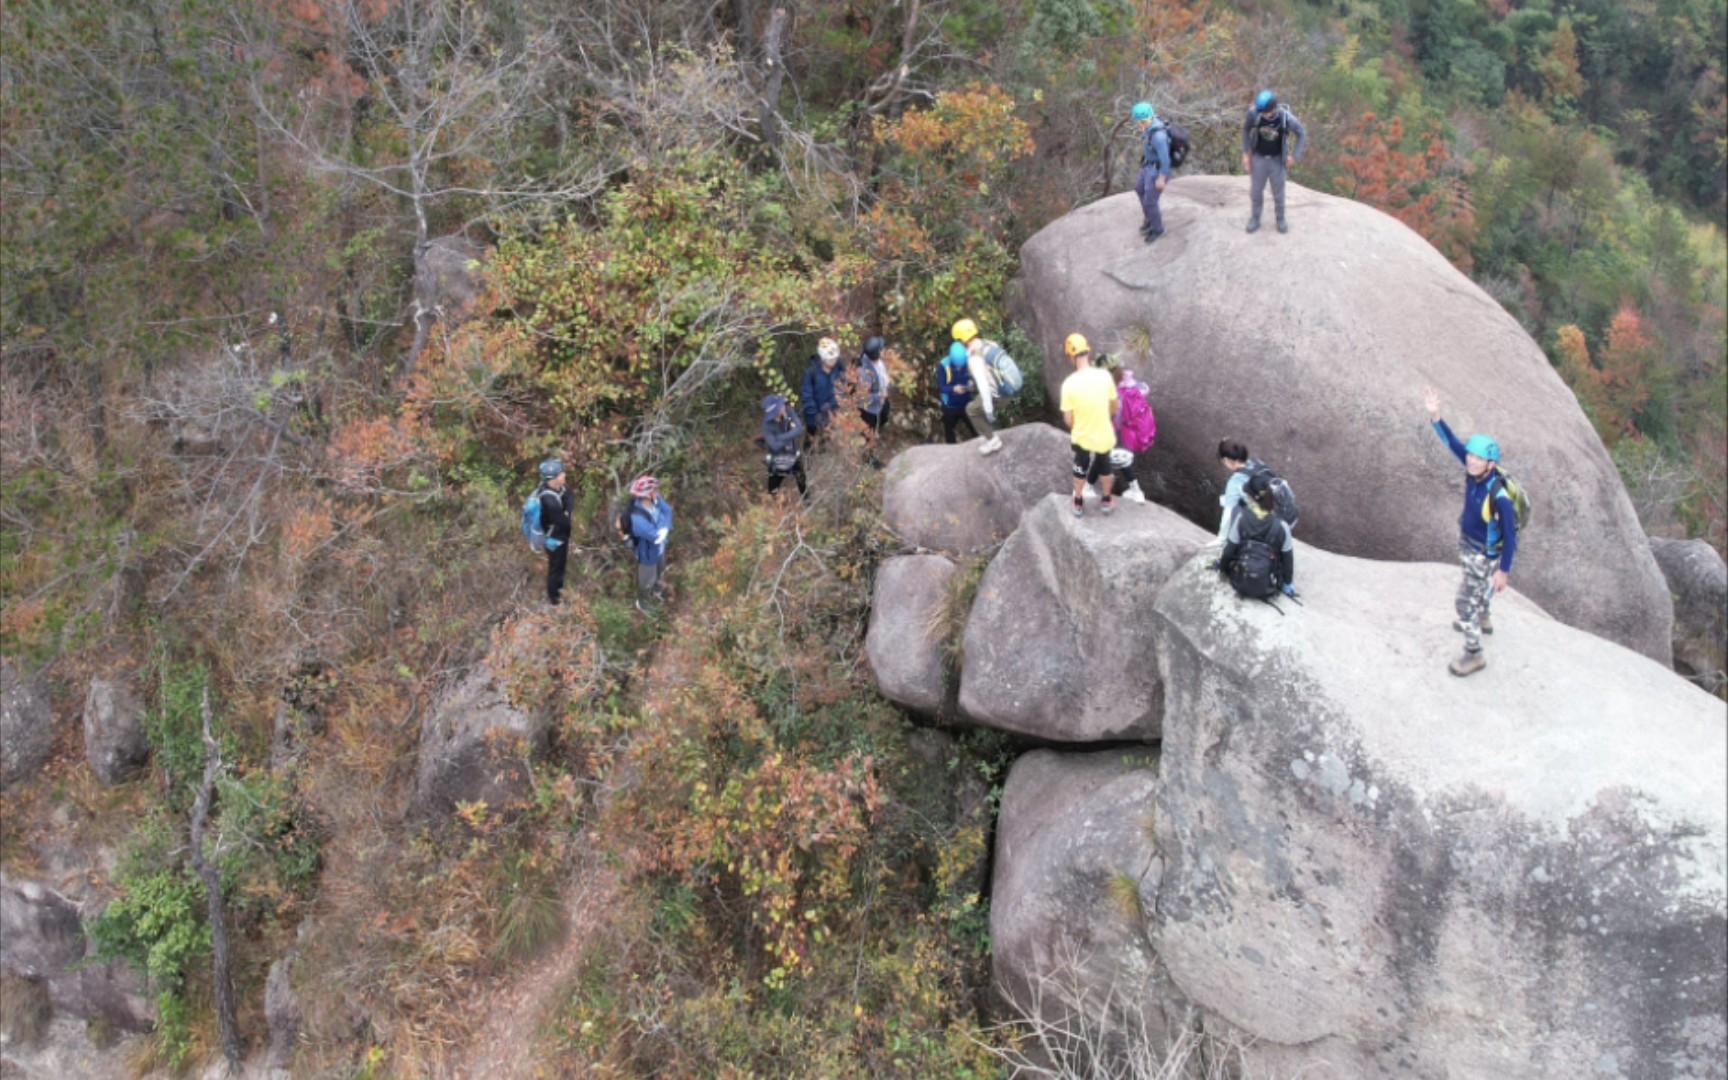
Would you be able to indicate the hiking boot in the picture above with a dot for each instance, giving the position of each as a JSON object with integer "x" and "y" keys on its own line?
{"x": 1108, "y": 505}
{"x": 1145, "y": 227}
{"x": 991, "y": 445}
{"x": 1134, "y": 493}
{"x": 1079, "y": 508}
{"x": 1152, "y": 237}
{"x": 1484, "y": 625}
{"x": 1253, "y": 224}
{"x": 1468, "y": 664}
{"x": 1283, "y": 226}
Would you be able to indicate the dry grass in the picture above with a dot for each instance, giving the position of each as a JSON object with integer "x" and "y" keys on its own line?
{"x": 25, "y": 1011}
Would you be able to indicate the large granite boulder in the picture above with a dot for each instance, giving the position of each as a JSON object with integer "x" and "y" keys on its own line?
{"x": 1313, "y": 349}
{"x": 954, "y": 499}
{"x": 42, "y": 939}
{"x": 1075, "y": 884}
{"x": 26, "y": 728}
{"x": 449, "y": 278}
{"x": 114, "y": 739}
{"x": 906, "y": 639}
{"x": 1058, "y": 645}
{"x": 1375, "y": 868}
{"x": 476, "y": 746}
{"x": 1698, "y": 579}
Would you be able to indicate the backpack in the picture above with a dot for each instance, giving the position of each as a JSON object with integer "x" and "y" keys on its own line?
{"x": 1179, "y": 144}
{"x": 532, "y": 528}
{"x": 1254, "y": 571}
{"x": 1008, "y": 378}
{"x": 1139, "y": 426}
{"x": 623, "y": 512}
{"x": 1286, "y": 509}
{"x": 1520, "y": 499}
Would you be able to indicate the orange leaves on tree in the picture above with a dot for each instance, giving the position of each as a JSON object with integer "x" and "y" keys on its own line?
{"x": 1561, "y": 81}
{"x": 1613, "y": 386}
{"x": 1411, "y": 185}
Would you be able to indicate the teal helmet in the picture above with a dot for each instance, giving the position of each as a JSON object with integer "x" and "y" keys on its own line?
{"x": 1483, "y": 447}
{"x": 550, "y": 468}
{"x": 1143, "y": 111}
{"x": 956, "y": 353}
{"x": 1264, "y": 100}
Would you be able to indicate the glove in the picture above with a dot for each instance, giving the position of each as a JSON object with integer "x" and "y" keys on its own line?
{"x": 553, "y": 545}
{"x": 989, "y": 416}
{"x": 1289, "y": 590}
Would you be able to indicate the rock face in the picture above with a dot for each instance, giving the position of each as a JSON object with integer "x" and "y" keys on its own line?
{"x": 114, "y": 739}
{"x": 1058, "y": 644}
{"x": 1313, "y": 349}
{"x": 42, "y": 938}
{"x": 449, "y": 280}
{"x": 905, "y": 643}
{"x": 1698, "y": 579}
{"x": 475, "y": 745}
{"x": 953, "y": 499}
{"x": 282, "y": 1013}
{"x": 26, "y": 729}
{"x": 1375, "y": 868}
{"x": 1075, "y": 880}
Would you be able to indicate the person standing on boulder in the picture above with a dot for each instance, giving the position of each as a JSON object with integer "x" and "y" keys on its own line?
{"x": 1488, "y": 535}
{"x": 1089, "y": 404}
{"x": 1154, "y": 169}
{"x": 1136, "y": 427}
{"x": 556, "y": 504}
{"x": 981, "y": 410}
{"x": 650, "y": 526}
{"x": 1267, "y": 154}
{"x": 954, "y": 384}
{"x": 780, "y": 434}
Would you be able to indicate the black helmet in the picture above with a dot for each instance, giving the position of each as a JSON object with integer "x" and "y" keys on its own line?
{"x": 873, "y": 347}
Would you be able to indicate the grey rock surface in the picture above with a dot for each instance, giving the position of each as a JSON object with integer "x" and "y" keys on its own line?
{"x": 954, "y": 499}
{"x": 905, "y": 641}
{"x": 1058, "y": 644}
{"x": 26, "y": 728}
{"x": 1698, "y": 579}
{"x": 1313, "y": 348}
{"x": 475, "y": 745}
{"x": 450, "y": 278}
{"x": 281, "y": 1013}
{"x": 42, "y": 937}
{"x": 1373, "y": 867}
{"x": 114, "y": 739}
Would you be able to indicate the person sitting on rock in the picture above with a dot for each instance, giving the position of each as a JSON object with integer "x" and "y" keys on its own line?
{"x": 873, "y": 377}
{"x": 1234, "y": 457}
{"x": 780, "y": 434}
{"x": 954, "y": 384}
{"x": 1259, "y": 524}
{"x": 1089, "y": 404}
{"x": 1136, "y": 427}
{"x": 1267, "y": 154}
{"x": 818, "y": 390}
{"x": 1154, "y": 170}
{"x": 1487, "y": 536}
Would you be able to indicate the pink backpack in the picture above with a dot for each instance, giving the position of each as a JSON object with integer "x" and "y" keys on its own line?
{"x": 1135, "y": 422}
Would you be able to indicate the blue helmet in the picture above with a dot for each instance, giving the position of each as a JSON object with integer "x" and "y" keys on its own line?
{"x": 1264, "y": 100}
{"x": 1143, "y": 111}
{"x": 1483, "y": 447}
{"x": 550, "y": 467}
{"x": 956, "y": 353}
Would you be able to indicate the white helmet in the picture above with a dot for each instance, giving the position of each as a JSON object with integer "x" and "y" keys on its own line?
{"x": 828, "y": 349}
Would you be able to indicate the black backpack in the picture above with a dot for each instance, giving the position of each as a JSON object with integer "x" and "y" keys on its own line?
{"x": 1286, "y": 509}
{"x": 1179, "y": 145}
{"x": 1254, "y": 571}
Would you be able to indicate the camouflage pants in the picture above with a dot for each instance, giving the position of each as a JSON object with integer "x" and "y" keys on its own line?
{"x": 1474, "y": 593}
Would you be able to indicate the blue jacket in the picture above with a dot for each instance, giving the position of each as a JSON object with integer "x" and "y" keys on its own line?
{"x": 951, "y": 380}
{"x": 1499, "y": 534}
{"x": 817, "y": 394}
{"x": 1155, "y": 152}
{"x": 649, "y": 530}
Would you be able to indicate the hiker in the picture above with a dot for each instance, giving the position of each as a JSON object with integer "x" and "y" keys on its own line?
{"x": 981, "y": 407}
{"x": 780, "y": 434}
{"x": 1487, "y": 535}
{"x": 1136, "y": 427}
{"x": 1259, "y": 556}
{"x": 1154, "y": 170}
{"x": 817, "y": 391}
{"x": 1089, "y": 404}
{"x": 954, "y": 384}
{"x": 556, "y": 504}
{"x": 1234, "y": 457}
{"x": 1267, "y": 154}
{"x": 650, "y": 525}
{"x": 873, "y": 377}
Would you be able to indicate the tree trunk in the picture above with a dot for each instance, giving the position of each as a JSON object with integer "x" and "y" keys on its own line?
{"x": 222, "y": 972}
{"x": 778, "y": 22}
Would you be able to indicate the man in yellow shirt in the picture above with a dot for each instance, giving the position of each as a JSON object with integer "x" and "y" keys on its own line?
{"x": 1089, "y": 405}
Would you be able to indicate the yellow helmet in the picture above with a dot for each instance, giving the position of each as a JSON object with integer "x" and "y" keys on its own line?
{"x": 1075, "y": 345}
{"x": 965, "y": 330}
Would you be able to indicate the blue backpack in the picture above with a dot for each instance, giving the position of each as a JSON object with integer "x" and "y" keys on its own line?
{"x": 531, "y": 527}
{"x": 1008, "y": 378}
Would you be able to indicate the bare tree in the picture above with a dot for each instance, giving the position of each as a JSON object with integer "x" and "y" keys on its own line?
{"x": 221, "y": 960}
